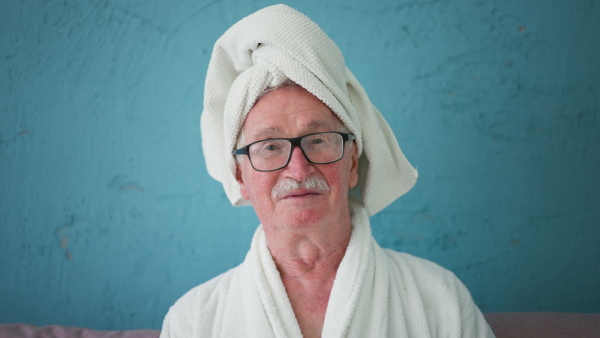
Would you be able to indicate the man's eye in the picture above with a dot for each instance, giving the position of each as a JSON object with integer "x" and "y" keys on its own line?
{"x": 270, "y": 148}
{"x": 320, "y": 142}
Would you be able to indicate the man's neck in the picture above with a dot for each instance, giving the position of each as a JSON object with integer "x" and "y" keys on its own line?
{"x": 307, "y": 260}
{"x": 309, "y": 254}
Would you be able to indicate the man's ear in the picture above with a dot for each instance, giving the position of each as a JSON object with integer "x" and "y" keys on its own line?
{"x": 240, "y": 179}
{"x": 353, "y": 179}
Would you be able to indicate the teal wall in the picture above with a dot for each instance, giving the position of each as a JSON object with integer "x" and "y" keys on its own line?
{"x": 107, "y": 213}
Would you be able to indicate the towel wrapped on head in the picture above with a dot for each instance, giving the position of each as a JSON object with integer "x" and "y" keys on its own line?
{"x": 272, "y": 46}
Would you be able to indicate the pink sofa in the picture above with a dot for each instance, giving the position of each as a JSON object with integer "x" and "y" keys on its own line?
{"x": 544, "y": 324}
{"x": 57, "y": 331}
{"x": 513, "y": 324}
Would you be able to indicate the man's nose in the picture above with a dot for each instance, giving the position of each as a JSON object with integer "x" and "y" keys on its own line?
{"x": 299, "y": 168}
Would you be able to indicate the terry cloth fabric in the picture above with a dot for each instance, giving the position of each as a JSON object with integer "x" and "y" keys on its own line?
{"x": 269, "y": 47}
{"x": 376, "y": 293}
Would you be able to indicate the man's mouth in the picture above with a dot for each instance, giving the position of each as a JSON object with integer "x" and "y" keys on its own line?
{"x": 301, "y": 193}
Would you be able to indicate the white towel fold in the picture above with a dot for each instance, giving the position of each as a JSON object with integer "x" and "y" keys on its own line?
{"x": 376, "y": 293}
{"x": 279, "y": 43}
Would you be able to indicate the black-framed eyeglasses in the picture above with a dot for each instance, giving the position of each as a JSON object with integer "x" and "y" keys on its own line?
{"x": 274, "y": 154}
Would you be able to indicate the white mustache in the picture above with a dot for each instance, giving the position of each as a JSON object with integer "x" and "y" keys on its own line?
{"x": 285, "y": 186}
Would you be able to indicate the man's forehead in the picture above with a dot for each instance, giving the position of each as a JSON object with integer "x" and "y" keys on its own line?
{"x": 288, "y": 110}
{"x": 267, "y": 130}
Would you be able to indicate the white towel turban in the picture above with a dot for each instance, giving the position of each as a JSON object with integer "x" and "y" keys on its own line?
{"x": 269, "y": 47}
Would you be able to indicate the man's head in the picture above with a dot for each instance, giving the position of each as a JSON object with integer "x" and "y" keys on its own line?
{"x": 264, "y": 50}
{"x": 282, "y": 197}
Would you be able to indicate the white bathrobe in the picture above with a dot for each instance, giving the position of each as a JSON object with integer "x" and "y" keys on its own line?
{"x": 376, "y": 293}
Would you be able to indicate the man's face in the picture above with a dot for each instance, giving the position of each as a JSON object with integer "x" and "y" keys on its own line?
{"x": 292, "y": 112}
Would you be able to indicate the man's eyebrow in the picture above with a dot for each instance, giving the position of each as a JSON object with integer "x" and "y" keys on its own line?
{"x": 267, "y": 132}
{"x": 316, "y": 124}
{"x": 274, "y": 131}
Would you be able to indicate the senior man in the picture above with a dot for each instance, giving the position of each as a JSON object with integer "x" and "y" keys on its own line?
{"x": 288, "y": 129}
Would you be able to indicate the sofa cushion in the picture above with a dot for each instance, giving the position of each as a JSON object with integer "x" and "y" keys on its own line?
{"x": 56, "y": 331}
{"x": 544, "y": 324}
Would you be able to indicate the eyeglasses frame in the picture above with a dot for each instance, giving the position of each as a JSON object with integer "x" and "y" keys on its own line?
{"x": 295, "y": 141}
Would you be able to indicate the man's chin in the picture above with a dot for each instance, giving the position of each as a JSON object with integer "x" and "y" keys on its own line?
{"x": 293, "y": 215}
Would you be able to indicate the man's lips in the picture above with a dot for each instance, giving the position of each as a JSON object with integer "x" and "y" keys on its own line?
{"x": 301, "y": 193}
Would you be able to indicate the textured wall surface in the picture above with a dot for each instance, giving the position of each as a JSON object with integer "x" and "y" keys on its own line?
{"x": 107, "y": 214}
